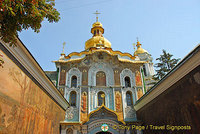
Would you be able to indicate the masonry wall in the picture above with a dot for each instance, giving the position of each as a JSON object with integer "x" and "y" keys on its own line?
{"x": 25, "y": 107}
{"x": 177, "y": 106}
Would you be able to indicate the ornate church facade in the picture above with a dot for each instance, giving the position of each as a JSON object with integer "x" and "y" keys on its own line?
{"x": 101, "y": 85}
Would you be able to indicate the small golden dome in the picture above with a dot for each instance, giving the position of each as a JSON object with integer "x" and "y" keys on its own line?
{"x": 97, "y": 40}
{"x": 97, "y": 24}
{"x": 139, "y": 50}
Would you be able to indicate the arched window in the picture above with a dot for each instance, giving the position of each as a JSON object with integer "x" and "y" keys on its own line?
{"x": 129, "y": 99}
{"x": 101, "y": 78}
{"x": 74, "y": 81}
{"x": 144, "y": 69}
{"x": 95, "y": 32}
{"x": 101, "y": 98}
{"x": 72, "y": 98}
{"x": 127, "y": 81}
{"x": 69, "y": 131}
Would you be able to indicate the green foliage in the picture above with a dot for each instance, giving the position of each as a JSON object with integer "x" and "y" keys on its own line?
{"x": 165, "y": 64}
{"x": 16, "y": 15}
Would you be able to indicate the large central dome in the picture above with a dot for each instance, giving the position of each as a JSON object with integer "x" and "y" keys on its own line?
{"x": 97, "y": 40}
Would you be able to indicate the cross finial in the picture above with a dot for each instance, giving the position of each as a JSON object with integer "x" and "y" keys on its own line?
{"x": 97, "y": 13}
{"x": 64, "y": 43}
{"x": 134, "y": 46}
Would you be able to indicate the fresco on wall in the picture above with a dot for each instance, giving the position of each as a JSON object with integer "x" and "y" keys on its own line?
{"x": 84, "y": 113}
{"x": 139, "y": 93}
{"x": 118, "y": 104}
{"x": 62, "y": 77}
{"x": 138, "y": 78}
{"x": 117, "y": 77}
{"x": 24, "y": 107}
{"x": 84, "y": 77}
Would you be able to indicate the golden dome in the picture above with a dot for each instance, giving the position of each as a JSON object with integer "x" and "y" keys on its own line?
{"x": 97, "y": 40}
{"x": 139, "y": 50}
{"x": 97, "y": 24}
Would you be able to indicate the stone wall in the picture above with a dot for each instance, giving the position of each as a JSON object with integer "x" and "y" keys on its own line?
{"x": 25, "y": 105}
{"x": 179, "y": 105}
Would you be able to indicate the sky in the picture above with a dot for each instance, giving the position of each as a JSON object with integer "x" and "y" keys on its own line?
{"x": 173, "y": 25}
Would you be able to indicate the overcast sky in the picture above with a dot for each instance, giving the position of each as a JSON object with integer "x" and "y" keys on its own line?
{"x": 173, "y": 25}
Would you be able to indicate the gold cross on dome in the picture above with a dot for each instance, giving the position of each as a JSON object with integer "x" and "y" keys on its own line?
{"x": 97, "y": 13}
{"x": 134, "y": 46}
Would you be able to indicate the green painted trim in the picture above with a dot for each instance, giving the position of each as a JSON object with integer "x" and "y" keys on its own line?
{"x": 143, "y": 80}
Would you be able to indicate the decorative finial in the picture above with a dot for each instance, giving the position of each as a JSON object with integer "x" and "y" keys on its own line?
{"x": 64, "y": 43}
{"x": 134, "y": 46}
{"x": 138, "y": 43}
{"x": 97, "y": 15}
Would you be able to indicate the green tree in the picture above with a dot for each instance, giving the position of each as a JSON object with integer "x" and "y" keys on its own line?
{"x": 165, "y": 64}
{"x": 16, "y": 15}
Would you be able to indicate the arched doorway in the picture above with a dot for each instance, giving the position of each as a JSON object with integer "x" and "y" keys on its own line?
{"x": 103, "y": 132}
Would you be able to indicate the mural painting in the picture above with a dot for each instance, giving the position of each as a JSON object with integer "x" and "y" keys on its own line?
{"x": 84, "y": 77}
{"x": 84, "y": 107}
{"x": 62, "y": 77}
{"x": 118, "y": 104}
{"x": 24, "y": 107}
{"x": 139, "y": 93}
{"x": 117, "y": 77}
{"x": 138, "y": 78}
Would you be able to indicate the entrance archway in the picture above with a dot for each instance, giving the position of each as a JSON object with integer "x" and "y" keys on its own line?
{"x": 103, "y": 132}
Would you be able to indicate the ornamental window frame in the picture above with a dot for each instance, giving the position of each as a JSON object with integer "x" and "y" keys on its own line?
{"x": 129, "y": 102}
{"x": 99, "y": 73}
{"x": 127, "y": 81}
{"x": 74, "y": 99}
{"x": 103, "y": 99}
{"x": 74, "y": 81}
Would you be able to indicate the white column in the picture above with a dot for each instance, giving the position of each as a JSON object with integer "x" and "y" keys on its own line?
{"x": 123, "y": 102}
{"x": 80, "y": 106}
{"x": 142, "y": 80}
{"x": 114, "y": 98}
{"x": 89, "y": 99}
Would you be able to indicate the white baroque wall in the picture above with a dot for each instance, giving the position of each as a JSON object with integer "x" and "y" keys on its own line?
{"x": 127, "y": 72}
{"x": 100, "y": 66}
{"x": 72, "y": 113}
{"x": 70, "y": 73}
{"x": 129, "y": 112}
